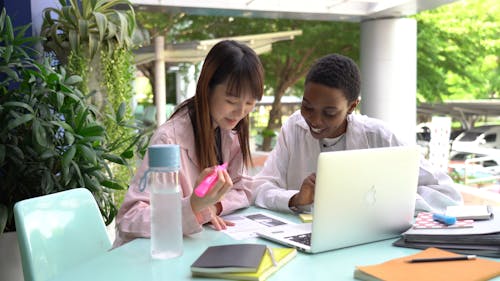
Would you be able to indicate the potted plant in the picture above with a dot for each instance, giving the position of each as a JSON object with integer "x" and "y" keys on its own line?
{"x": 51, "y": 139}
{"x": 94, "y": 39}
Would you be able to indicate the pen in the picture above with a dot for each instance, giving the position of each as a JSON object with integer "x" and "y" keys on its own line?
{"x": 455, "y": 258}
{"x": 271, "y": 254}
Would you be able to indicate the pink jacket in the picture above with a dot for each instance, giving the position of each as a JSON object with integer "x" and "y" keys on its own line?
{"x": 133, "y": 219}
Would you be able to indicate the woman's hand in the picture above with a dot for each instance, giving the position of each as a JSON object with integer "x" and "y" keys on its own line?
{"x": 306, "y": 193}
{"x": 218, "y": 222}
{"x": 221, "y": 186}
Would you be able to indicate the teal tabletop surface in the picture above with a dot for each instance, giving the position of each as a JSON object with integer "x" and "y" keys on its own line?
{"x": 132, "y": 261}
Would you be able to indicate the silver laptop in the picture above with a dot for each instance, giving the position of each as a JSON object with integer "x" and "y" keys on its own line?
{"x": 361, "y": 196}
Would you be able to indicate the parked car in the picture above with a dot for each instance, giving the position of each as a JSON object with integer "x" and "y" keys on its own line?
{"x": 478, "y": 137}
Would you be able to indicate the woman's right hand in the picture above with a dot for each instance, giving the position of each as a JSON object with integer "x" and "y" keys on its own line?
{"x": 222, "y": 185}
{"x": 306, "y": 194}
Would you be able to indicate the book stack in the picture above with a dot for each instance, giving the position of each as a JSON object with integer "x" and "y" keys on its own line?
{"x": 481, "y": 238}
{"x": 241, "y": 261}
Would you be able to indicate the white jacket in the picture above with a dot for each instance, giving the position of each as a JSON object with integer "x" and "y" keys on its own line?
{"x": 295, "y": 157}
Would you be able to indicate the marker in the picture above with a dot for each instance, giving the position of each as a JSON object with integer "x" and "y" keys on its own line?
{"x": 209, "y": 181}
{"x": 444, "y": 219}
{"x": 455, "y": 258}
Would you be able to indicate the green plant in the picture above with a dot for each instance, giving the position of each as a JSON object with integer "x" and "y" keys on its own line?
{"x": 268, "y": 133}
{"x": 95, "y": 40}
{"x": 90, "y": 27}
{"x": 92, "y": 39}
{"x": 50, "y": 139}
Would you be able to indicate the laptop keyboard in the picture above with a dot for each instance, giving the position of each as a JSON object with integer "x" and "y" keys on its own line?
{"x": 301, "y": 238}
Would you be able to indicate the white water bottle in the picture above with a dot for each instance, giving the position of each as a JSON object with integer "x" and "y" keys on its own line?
{"x": 163, "y": 184}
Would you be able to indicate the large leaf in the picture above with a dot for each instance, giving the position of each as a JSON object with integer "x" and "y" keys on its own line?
{"x": 63, "y": 125}
{"x": 96, "y": 130}
{"x": 83, "y": 28}
{"x": 19, "y": 104}
{"x": 69, "y": 137}
{"x": 60, "y": 99}
{"x": 78, "y": 172}
{"x": 19, "y": 121}
{"x": 68, "y": 157}
{"x": 74, "y": 79}
{"x": 40, "y": 134}
{"x": 68, "y": 17}
{"x": 102, "y": 24}
{"x": 9, "y": 31}
{"x": 3, "y": 15}
{"x": 74, "y": 39}
{"x": 88, "y": 154}
{"x": 120, "y": 113}
{"x": 114, "y": 159}
{"x": 112, "y": 185}
{"x": 76, "y": 8}
{"x": 91, "y": 183}
{"x": 93, "y": 45}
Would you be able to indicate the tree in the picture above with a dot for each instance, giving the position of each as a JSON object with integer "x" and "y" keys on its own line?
{"x": 289, "y": 60}
{"x": 458, "y": 51}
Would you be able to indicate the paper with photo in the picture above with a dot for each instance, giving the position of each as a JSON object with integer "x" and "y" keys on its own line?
{"x": 246, "y": 225}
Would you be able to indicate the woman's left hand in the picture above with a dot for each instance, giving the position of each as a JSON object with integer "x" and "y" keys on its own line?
{"x": 218, "y": 222}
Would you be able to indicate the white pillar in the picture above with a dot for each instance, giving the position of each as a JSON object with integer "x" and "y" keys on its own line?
{"x": 186, "y": 83}
{"x": 389, "y": 73}
{"x": 160, "y": 87}
{"x": 37, "y": 8}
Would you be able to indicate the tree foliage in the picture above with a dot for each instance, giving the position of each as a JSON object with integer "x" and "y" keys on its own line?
{"x": 289, "y": 61}
{"x": 459, "y": 50}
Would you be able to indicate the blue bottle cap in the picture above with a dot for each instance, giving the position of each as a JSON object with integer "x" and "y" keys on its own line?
{"x": 164, "y": 155}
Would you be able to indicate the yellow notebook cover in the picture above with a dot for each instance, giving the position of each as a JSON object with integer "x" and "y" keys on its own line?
{"x": 306, "y": 217}
{"x": 402, "y": 269}
{"x": 266, "y": 267}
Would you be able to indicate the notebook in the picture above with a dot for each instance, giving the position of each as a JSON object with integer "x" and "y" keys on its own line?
{"x": 361, "y": 196}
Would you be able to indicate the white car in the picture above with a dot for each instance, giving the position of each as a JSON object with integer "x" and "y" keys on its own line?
{"x": 478, "y": 137}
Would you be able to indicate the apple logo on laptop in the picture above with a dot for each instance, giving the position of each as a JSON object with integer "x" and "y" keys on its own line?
{"x": 371, "y": 196}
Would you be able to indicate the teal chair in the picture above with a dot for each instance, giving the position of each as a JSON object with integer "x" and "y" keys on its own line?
{"x": 58, "y": 231}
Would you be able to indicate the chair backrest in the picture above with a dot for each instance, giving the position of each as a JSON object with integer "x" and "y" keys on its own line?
{"x": 58, "y": 231}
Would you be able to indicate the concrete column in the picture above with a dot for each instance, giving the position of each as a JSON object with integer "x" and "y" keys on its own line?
{"x": 389, "y": 73}
{"x": 186, "y": 83}
{"x": 160, "y": 83}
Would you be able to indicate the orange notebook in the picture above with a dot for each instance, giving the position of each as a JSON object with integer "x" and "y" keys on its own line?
{"x": 401, "y": 269}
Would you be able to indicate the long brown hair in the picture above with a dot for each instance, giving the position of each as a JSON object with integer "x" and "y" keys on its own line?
{"x": 239, "y": 66}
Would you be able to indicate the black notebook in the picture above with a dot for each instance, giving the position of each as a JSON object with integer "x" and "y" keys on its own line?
{"x": 230, "y": 258}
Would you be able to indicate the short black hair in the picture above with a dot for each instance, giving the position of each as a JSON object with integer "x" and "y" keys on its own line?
{"x": 337, "y": 71}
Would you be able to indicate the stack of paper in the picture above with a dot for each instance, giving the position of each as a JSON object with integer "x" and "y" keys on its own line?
{"x": 472, "y": 212}
{"x": 483, "y": 238}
